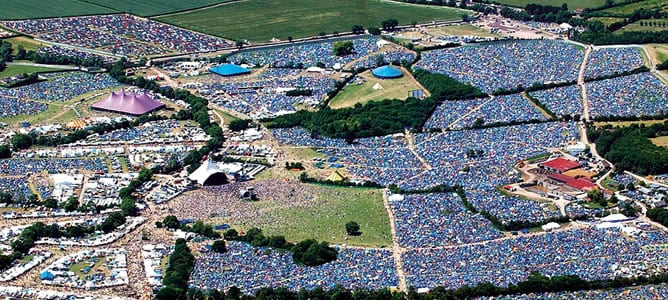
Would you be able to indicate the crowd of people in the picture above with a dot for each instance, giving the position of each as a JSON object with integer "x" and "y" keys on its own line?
{"x": 562, "y": 101}
{"x": 20, "y": 167}
{"x": 307, "y": 54}
{"x": 609, "y": 61}
{"x": 479, "y": 112}
{"x": 10, "y": 106}
{"x": 635, "y": 95}
{"x": 440, "y": 219}
{"x": 266, "y": 97}
{"x": 250, "y": 269}
{"x": 62, "y": 86}
{"x": 122, "y": 34}
{"x": 506, "y": 65}
{"x": 589, "y": 253}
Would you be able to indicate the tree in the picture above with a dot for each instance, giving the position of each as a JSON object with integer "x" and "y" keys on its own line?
{"x": 21, "y": 141}
{"x": 630, "y": 186}
{"x": 72, "y": 204}
{"x": 389, "y": 24}
{"x": 239, "y": 44}
{"x": 357, "y": 29}
{"x": 50, "y": 203}
{"x": 129, "y": 207}
{"x": 311, "y": 253}
{"x": 343, "y": 48}
{"x": 452, "y": 3}
{"x": 231, "y": 235}
{"x": 219, "y": 246}
{"x": 171, "y": 222}
{"x": 5, "y": 152}
{"x": 352, "y": 228}
{"x": 374, "y": 30}
{"x": 239, "y": 125}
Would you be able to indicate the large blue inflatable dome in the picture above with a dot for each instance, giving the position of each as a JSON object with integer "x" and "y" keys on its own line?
{"x": 386, "y": 72}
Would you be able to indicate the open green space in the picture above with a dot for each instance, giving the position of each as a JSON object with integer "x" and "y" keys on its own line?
{"x": 261, "y": 20}
{"x": 337, "y": 206}
{"x": 606, "y": 20}
{"x": 627, "y": 10}
{"x": 463, "y": 29}
{"x": 12, "y": 70}
{"x": 26, "y": 42}
{"x": 153, "y": 7}
{"x": 646, "y": 25}
{"x": 572, "y": 4}
{"x": 354, "y": 93}
{"x": 31, "y": 9}
{"x": 77, "y": 268}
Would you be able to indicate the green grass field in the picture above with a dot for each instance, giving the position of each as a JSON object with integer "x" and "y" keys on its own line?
{"x": 660, "y": 25}
{"x": 606, "y": 20}
{"x": 626, "y": 10}
{"x": 260, "y": 20}
{"x": 464, "y": 29}
{"x": 572, "y": 4}
{"x": 29, "y": 9}
{"x": 153, "y": 7}
{"x": 12, "y": 70}
{"x": 26, "y": 42}
{"x": 392, "y": 89}
{"x": 338, "y": 206}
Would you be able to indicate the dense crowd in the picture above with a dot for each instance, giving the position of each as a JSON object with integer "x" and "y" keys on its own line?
{"x": 433, "y": 220}
{"x": 589, "y": 253}
{"x": 62, "y": 86}
{"x": 121, "y": 34}
{"x": 470, "y": 113}
{"x": 251, "y": 268}
{"x": 307, "y": 54}
{"x": 267, "y": 97}
{"x": 19, "y": 167}
{"x": 74, "y": 53}
{"x": 562, "y": 101}
{"x": 10, "y": 107}
{"x": 635, "y": 95}
{"x": 506, "y": 65}
{"x": 654, "y": 292}
{"x": 608, "y": 61}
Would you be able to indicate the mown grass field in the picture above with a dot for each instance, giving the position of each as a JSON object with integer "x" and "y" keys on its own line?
{"x": 606, "y": 20}
{"x": 154, "y": 7}
{"x": 362, "y": 93}
{"x": 572, "y": 4}
{"x": 12, "y": 70}
{"x": 26, "y": 42}
{"x": 261, "y": 20}
{"x": 626, "y": 10}
{"x": 464, "y": 29}
{"x": 338, "y": 206}
{"x": 29, "y": 9}
{"x": 637, "y": 27}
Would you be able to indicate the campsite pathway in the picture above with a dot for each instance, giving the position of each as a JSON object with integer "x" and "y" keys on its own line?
{"x": 396, "y": 249}
{"x": 581, "y": 83}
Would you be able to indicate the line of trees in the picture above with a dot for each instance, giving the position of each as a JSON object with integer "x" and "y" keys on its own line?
{"x": 175, "y": 282}
{"x": 308, "y": 252}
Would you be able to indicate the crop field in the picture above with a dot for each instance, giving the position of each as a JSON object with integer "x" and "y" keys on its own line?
{"x": 572, "y": 4}
{"x": 363, "y": 93}
{"x": 262, "y": 20}
{"x": 31, "y": 9}
{"x": 154, "y": 7}
{"x": 627, "y": 10}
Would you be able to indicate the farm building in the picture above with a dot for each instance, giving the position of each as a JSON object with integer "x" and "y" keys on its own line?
{"x": 560, "y": 165}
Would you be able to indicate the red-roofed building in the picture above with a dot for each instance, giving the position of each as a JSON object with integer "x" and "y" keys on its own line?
{"x": 560, "y": 165}
{"x": 560, "y": 177}
{"x": 581, "y": 184}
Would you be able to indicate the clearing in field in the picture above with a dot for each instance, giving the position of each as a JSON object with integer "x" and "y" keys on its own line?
{"x": 12, "y": 70}
{"x": 32, "y": 9}
{"x": 628, "y": 123}
{"x": 627, "y": 10}
{"x": 261, "y": 20}
{"x": 462, "y": 30}
{"x": 652, "y": 25}
{"x": 337, "y": 206}
{"x": 661, "y": 141}
{"x": 354, "y": 93}
{"x": 26, "y": 42}
{"x": 572, "y": 4}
